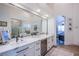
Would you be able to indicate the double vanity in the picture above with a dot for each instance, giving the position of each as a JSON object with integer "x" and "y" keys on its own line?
{"x": 37, "y": 45}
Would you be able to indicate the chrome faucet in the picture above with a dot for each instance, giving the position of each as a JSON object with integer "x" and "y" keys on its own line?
{"x": 17, "y": 38}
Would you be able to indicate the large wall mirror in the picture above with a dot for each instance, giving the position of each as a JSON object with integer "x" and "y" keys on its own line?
{"x": 30, "y": 26}
{"x": 21, "y": 21}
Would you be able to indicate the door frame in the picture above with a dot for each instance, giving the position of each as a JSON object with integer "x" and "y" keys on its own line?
{"x": 55, "y": 41}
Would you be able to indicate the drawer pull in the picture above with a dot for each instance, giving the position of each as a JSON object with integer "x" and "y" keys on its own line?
{"x": 22, "y": 50}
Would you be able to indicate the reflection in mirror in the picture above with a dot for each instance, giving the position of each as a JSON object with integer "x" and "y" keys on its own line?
{"x": 24, "y": 23}
{"x": 22, "y": 28}
{"x": 16, "y": 29}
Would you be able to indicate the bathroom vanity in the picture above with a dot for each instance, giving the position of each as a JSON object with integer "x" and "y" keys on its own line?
{"x": 26, "y": 46}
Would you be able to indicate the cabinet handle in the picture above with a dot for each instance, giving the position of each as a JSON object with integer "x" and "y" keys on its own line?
{"x": 22, "y": 50}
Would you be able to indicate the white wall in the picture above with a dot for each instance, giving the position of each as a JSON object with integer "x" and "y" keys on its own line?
{"x": 51, "y": 25}
{"x": 44, "y": 26}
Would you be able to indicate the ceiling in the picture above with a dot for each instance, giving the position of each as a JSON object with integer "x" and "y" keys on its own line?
{"x": 25, "y": 11}
{"x": 43, "y": 7}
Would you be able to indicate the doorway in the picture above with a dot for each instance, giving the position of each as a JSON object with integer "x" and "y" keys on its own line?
{"x": 60, "y": 30}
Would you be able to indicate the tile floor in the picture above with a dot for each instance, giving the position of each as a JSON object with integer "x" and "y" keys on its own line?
{"x": 70, "y": 50}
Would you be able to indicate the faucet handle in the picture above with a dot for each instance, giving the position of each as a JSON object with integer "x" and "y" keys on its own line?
{"x": 17, "y": 39}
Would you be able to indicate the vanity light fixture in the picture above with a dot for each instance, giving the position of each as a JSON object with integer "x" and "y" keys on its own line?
{"x": 46, "y": 16}
{"x": 38, "y": 10}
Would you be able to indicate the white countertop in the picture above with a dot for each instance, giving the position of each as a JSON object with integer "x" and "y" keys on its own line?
{"x": 26, "y": 40}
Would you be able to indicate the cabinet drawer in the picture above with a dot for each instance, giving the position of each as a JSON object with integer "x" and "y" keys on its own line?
{"x": 37, "y": 44}
{"x": 25, "y": 47}
{"x": 49, "y": 43}
{"x": 30, "y": 52}
{"x": 26, "y": 50}
{"x": 48, "y": 40}
{"x": 20, "y": 52}
{"x": 38, "y": 52}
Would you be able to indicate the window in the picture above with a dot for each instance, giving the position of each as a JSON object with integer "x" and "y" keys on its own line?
{"x": 61, "y": 28}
